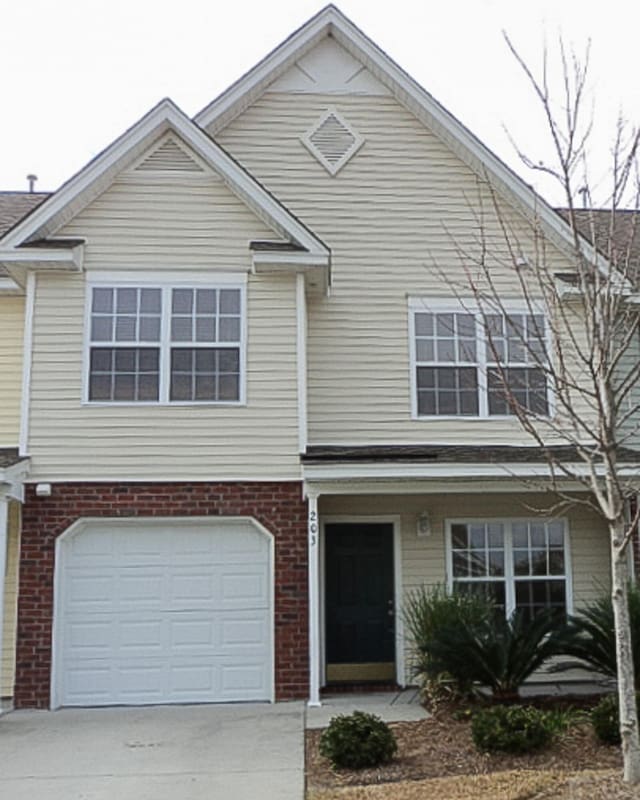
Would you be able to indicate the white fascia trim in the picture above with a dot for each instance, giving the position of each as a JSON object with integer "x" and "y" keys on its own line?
{"x": 403, "y": 86}
{"x": 429, "y": 486}
{"x": 12, "y": 480}
{"x": 164, "y": 116}
{"x": 292, "y": 259}
{"x": 332, "y": 472}
{"x": 41, "y": 257}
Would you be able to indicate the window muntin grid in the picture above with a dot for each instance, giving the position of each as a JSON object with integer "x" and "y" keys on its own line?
{"x": 459, "y": 365}
{"x": 134, "y": 331}
{"x": 522, "y": 564}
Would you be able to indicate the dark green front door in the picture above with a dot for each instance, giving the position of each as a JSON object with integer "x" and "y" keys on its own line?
{"x": 360, "y": 617}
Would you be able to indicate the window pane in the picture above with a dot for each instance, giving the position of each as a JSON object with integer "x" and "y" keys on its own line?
{"x": 230, "y": 301}
{"x": 556, "y": 562}
{"x": 182, "y": 301}
{"x": 101, "y": 329}
{"x": 150, "y": 301}
{"x": 150, "y": 329}
{"x": 495, "y": 534}
{"x": 426, "y": 403}
{"x": 205, "y": 329}
{"x": 459, "y": 536}
{"x": 556, "y": 534}
{"x": 125, "y": 329}
{"x": 446, "y": 350}
{"x": 424, "y": 324}
{"x": 521, "y": 562}
{"x": 125, "y": 360}
{"x": 460, "y": 565}
{"x": 148, "y": 387}
{"x": 199, "y": 374}
{"x": 520, "y": 534}
{"x": 538, "y": 535}
{"x": 101, "y": 359}
{"x": 126, "y": 301}
{"x": 229, "y": 388}
{"x": 181, "y": 329}
{"x": 496, "y": 562}
{"x": 100, "y": 387}
{"x": 424, "y": 350}
{"x": 444, "y": 325}
{"x": 477, "y": 536}
{"x": 539, "y": 562}
{"x": 229, "y": 329}
{"x": 229, "y": 359}
{"x": 102, "y": 301}
{"x": 206, "y": 301}
{"x": 426, "y": 377}
{"x": 124, "y": 387}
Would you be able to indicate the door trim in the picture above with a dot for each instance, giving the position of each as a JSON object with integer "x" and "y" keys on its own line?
{"x": 82, "y": 523}
{"x": 389, "y": 519}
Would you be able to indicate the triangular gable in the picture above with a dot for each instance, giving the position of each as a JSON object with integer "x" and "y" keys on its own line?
{"x": 331, "y": 22}
{"x": 91, "y": 181}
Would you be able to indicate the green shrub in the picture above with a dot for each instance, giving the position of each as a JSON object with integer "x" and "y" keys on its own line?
{"x": 494, "y": 651}
{"x": 358, "y": 740}
{"x": 427, "y": 612}
{"x": 513, "y": 729}
{"x": 605, "y": 720}
{"x": 591, "y": 635}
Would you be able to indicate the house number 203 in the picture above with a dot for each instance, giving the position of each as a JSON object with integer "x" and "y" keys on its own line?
{"x": 313, "y": 528}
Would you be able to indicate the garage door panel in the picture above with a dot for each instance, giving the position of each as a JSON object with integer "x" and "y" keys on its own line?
{"x": 158, "y": 613}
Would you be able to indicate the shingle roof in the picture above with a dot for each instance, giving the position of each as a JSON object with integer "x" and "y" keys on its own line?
{"x": 457, "y": 454}
{"x": 14, "y": 206}
{"x": 622, "y": 232}
{"x": 9, "y": 456}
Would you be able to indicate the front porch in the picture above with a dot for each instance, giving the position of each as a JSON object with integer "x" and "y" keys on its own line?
{"x": 374, "y": 541}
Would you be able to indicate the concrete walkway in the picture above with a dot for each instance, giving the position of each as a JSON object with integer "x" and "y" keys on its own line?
{"x": 243, "y": 751}
{"x": 401, "y": 706}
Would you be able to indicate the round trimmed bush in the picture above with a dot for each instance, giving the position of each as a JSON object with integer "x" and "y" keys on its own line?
{"x": 358, "y": 740}
{"x": 512, "y": 729}
{"x": 606, "y": 721}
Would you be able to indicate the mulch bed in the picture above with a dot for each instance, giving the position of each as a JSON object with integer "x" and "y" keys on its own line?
{"x": 441, "y": 747}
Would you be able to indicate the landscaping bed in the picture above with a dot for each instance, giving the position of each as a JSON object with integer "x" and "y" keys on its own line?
{"x": 436, "y": 757}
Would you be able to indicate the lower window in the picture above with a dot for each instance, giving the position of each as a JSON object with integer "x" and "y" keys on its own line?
{"x": 521, "y": 564}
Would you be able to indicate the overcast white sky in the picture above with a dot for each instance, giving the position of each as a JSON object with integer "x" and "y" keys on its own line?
{"x": 76, "y": 73}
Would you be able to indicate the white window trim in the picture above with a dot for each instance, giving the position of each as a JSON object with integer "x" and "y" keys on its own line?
{"x": 509, "y": 577}
{"x": 165, "y": 282}
{"x": 442, "y": 306}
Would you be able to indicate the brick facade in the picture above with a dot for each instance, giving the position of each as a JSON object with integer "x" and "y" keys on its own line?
{"x": 277, "y": 506}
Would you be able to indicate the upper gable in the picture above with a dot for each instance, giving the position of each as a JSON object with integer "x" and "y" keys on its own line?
{"x": 168, "y": 210}
{"x": 329, "y": 69}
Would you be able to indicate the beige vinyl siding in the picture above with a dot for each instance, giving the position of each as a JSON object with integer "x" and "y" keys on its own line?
{"x": 424, "y": 559}
{"x": 401, "y": 218}
{"x": 165, "y": 222}
{"x": 8, "y": 665}
{"x": 11, "y": 338}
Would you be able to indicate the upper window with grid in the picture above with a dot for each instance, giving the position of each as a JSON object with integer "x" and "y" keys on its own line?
{"x": 165, "y": 344}
{"x": 474, "y": 365}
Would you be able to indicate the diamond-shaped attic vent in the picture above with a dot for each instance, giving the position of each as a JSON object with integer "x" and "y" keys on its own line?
{"x": 332, "y": 141}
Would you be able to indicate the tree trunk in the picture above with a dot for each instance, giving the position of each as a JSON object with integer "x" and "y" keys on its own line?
{"x": 624, "y": 656}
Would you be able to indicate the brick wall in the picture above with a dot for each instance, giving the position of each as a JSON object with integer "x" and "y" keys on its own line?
{"x": 277, "y": 506}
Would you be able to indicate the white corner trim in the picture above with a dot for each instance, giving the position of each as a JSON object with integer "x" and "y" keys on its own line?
{"x": 27, "y": 361}
{"x": 301, "y": 357}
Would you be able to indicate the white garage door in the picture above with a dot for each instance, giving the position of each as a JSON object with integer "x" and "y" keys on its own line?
{"x": 163, "y": 612}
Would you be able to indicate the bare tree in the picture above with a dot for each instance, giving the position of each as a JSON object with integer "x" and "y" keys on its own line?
{"x": 567, "y": 365}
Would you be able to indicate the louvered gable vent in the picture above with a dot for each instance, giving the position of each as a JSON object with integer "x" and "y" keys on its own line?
{"x": 332, "y": 141}
{"x": 169, "y": 157}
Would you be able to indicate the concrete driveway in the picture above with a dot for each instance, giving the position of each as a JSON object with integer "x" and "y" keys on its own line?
{"x": 161, "y": 753}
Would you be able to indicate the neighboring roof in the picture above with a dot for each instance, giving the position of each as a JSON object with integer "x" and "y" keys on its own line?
{"x": 10, "y": 456}
{"x": 618, "y": 232}
{"x": 14, "y": 206}
{"x": 330, "y": 21}
{"x": 451, "y": 454}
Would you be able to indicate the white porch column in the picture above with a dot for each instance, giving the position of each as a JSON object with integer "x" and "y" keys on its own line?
{"x": 4, "y": 528}
{"x": 314, "y": 600}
